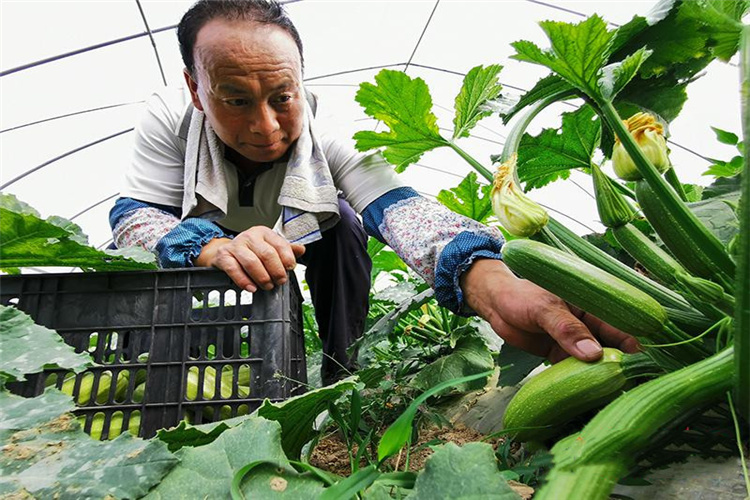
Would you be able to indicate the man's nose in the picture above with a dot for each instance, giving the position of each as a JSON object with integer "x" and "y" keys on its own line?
{"x": 263, "y": 121}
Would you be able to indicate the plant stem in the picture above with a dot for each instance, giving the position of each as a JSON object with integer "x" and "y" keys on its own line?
{"x": 548, "y": 237}
{"x": 671, "y": 176}
{"x": 742, "y": 282}
{"x": 738, "y": 437}
{"x": 513, "y": 140}
{"x": 624, "y": 189}
{"x": 474, "y": 163}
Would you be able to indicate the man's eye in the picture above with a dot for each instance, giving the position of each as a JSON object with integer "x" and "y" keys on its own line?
{"x": 236, "y": 102}
{"x": 283, "y": 99}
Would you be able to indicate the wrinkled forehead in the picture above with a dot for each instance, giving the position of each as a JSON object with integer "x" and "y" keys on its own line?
{"x": 246, "y": 46}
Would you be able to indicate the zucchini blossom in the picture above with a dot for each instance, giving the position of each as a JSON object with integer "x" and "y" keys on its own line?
{"x": 649, "y": 135}
{"x": 518, "y": 214}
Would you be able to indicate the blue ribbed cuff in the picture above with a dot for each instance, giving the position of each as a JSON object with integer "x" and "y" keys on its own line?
{"x": 184, "y": 243}
{"x": 372, "y": 215}
{"x": 455, "y": 259}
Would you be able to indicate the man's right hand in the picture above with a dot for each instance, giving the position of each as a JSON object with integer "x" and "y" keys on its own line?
{"x": 256, "y": 258}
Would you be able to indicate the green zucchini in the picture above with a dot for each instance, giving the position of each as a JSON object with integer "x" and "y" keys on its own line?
{"x": 603, "y": 295}
{"x": 587, "y": 287}
{"x": 569, "y": 388}
{"x": 692, "y": 244}
{"x": 586, "y": 482}
{"x": 103, "y": 387}
{"x": 115, "y": 424}
{"x": 614, "y": 209}
{"x": 603, "y": 260}
{"x": 697, "y": 291}
{"x": 647, "y": 253}
{"x": 625, "y": 427}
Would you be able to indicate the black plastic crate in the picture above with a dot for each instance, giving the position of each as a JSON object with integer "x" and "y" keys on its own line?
{"x": 163, "y": 327}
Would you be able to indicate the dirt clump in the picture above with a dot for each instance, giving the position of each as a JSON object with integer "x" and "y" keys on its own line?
{"x": 332, "y": 455}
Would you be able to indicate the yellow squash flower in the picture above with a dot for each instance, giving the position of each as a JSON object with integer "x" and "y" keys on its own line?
{"x": 649, "y": 135}
{"x": 518, "y": 214}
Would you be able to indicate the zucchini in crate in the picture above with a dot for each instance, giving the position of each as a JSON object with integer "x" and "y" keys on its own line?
{"x": 570, "y": 388}
{"x": 601, "y": 294}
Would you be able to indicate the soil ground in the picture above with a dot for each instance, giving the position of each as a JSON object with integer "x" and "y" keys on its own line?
{"x": 331, "y": 453}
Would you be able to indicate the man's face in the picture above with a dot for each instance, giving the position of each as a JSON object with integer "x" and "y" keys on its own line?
{"x": 248, "y": 82}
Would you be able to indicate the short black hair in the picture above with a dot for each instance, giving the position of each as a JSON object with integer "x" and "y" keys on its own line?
{"x": 203, "y": 11}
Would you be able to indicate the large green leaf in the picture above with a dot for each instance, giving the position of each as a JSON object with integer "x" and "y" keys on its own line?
{"x": 27, "y": 240}
{"x": 718, "y": 215}
{"x": 722, "y": 19}
{"x": 386, "y": 261}
{"x": 397, "y": 293}
{"x": 625, "y": 33}
{"x": 374, "y": 246}
{"x": 679, "y": 46}
{"x": 26, "y": 347}
{"x": 554, "y": 152}
{"x": 515, "y": 364}
{"x": 207, "y": 471}
{"x": 577, "y": 53}
{"x": 469, "y": 357}
{"x": 723, "y": 186}
{"x": 470, "y": 198}
{"x": 467, "y": 472}
{"x": 405, "y": 106}
{"x": 664, "y": 96}
{"x": 185, "y": 434}
{"x": 297, "y": 415}
{"x": 47, "y": 455}
{"x": 479, "y": 88}
{"x": 269, "y": 481}
{"x": 19, "y": 414}
{"x": 385, "y": 325}
{"x": 684, "y": 37}
{"x": 616, "y": 75}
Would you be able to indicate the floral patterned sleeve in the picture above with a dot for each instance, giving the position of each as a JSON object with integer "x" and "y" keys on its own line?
{"x": 434, "y": 241}
{"x": 158, "y": 229}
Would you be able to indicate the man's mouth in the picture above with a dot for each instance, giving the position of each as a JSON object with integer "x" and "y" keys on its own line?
{"x": 265, "y": 146}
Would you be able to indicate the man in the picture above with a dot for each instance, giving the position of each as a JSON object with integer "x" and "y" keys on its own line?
{"x": 207, "y": 186}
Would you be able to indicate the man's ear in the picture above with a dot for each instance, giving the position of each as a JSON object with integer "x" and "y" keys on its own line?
{"x": 193, "y": 87}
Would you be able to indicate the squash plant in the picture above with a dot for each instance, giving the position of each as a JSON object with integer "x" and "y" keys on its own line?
{"x": 693, "y": 317}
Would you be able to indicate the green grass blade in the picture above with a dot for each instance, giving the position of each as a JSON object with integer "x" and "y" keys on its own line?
{"x": 399, "y": 432}
{"x": 352, "y": 485}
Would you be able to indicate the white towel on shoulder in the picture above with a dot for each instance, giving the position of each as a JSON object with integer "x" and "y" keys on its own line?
{"x": 308, "y": 195}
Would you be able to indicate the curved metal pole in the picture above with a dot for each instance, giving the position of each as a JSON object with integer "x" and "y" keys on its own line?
{"x": 93, "y": 206}
{"x": 153, "y": 42}
{"x": 48, "y": 162}
{"x": 82, "y": 50}
{"x": 69, "y": 114}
